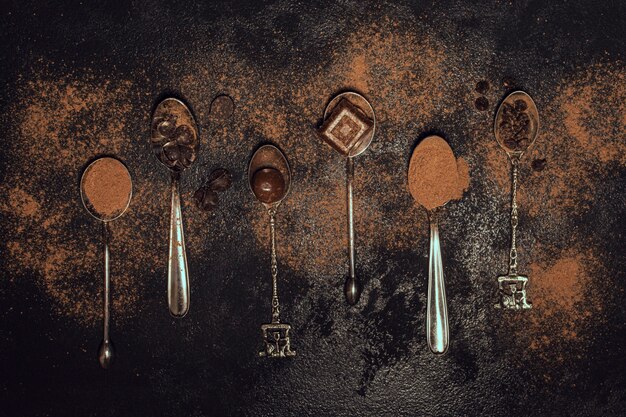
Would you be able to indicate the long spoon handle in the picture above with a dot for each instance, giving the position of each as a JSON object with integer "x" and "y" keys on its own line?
{"x": 106, "y": 350}
{"x": 437, "y": 310}
{"x": 352, "y": 288}
{"x": 177, "y": 272}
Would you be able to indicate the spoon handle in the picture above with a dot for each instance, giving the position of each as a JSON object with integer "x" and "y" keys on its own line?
{"x": 105, "y": 352}
{"x": 274, "y": 268}
{"x": 437, "y": 310}
{"x": 352, "y": 289}
{"x": 177, "y": 272}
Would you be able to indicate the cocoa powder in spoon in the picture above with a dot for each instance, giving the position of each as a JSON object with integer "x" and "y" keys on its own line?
{"x": 435, "y": 175}
{"x": 107, "y": 188}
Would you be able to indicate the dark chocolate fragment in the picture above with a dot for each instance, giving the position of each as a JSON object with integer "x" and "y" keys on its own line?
{"x": 346, "y": 127}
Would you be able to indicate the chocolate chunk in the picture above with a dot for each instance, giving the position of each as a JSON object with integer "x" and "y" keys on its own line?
{"x": 346, "y": 127}
{"x": 268, "y": 185}
{"x": 481, "y": 103}
{"x": 482, "y": 87}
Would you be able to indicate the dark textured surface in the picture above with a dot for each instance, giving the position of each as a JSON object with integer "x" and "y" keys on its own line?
{"x": 368, "y": 360}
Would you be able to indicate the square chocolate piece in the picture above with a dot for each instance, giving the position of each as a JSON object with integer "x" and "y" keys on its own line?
{"x": 345, "y": 127}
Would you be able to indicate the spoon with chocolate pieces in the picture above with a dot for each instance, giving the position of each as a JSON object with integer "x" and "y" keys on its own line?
{"x": 175, "y": 142}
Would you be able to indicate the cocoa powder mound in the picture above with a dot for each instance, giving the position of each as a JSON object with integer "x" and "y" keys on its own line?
{"x": 107, "y": 187}
{"x": 434, "y": 174}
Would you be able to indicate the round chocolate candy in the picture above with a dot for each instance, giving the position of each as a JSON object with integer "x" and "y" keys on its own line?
{"x": 268, "y": 185}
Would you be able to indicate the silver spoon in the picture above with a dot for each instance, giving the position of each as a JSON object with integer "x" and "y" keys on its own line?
{"x": 269, "y": 177}
{"x": 437, "y": 329}
{"x": 517, "y": 115}
{"x": 352, "y": 286}
{"x": 106, "y": 351}
{"x": 174, "y": 139}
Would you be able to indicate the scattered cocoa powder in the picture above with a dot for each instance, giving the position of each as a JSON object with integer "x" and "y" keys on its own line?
{"x": 107, "y": 187}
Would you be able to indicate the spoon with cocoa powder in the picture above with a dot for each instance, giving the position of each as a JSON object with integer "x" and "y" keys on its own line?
{"x": 106, "y": 190}
{"x": 436, "y": 177}
{"x": 174, "y": 140}
{"x": 269, "y": 178}
{"x": 515, "y": 127}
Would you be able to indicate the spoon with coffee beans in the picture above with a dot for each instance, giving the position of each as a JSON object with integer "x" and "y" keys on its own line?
{"x": 516, "y": 126}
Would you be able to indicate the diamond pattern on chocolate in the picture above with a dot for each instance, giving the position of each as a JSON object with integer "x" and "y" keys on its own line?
{"x": 345, "y": 127}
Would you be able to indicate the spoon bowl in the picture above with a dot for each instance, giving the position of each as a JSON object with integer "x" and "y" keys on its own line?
{"x": 269, "y": 157}
{"x": 122, "y": 205}
{"x": 174, "y": 135}
{"x": 360, "y": 102}
{"x": 517, "y": 111}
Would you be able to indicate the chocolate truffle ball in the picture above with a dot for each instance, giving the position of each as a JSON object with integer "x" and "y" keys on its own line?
{"x": 268, "y": 185}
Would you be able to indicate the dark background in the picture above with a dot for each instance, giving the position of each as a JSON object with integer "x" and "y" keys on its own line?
{"x": 368, "y": 360}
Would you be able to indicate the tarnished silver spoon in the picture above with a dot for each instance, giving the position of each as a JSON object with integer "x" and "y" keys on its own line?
{"x": 515, "y": 127}
{"x": 349, "y": 126}
{"x": 175, "y": 142}
{"x": 106, "y": 191}
{"x": 269, "y": 177}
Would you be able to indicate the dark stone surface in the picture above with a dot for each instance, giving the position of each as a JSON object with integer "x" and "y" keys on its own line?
{"x": 368, "y": 360}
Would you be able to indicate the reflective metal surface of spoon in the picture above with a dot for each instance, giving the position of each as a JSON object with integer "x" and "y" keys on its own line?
{"x": 517, "y": 113}
{"x": 106, "y": 351}
{"x": 269, "y": 177}
{"x": 175, "y": 142}
{"x": 437, "y": 328}
{"x": 352, "y": 286}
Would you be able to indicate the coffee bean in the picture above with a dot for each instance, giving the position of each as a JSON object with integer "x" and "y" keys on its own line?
{"x": 539, "y": 164}
{"x": 520, "y": 105}
{"x": 219, "y": 180}
{"x": 482, "y": 87}
{"x": 481, "y": 103}
{"x": 206, "y": 199}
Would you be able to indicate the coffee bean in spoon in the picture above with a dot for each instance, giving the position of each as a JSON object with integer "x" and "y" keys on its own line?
{"x": 268, "y": 185}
